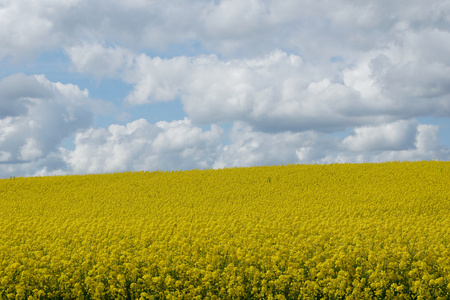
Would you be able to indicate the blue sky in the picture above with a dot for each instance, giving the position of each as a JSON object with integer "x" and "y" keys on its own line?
{"x": 111, "y": 86}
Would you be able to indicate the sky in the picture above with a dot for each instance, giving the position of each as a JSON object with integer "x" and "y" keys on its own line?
{"x": 112, "y": 86}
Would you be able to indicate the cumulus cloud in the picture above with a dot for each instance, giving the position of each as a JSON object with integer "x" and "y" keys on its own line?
{"x": 248, "y": 147}
{"x": 156, "y": 79}
{"x": 41, "y": 114}
{"x": 315, "y": 29}
{"x": 399, "y": 141}
{"x": 235, "y": 19}
{"x": 389, "y": 59}
{"x": 227, "y": 26}
{"x": 98, "y": 60}
{"x": 175, "y": 145}
{"x": 275, "y": 92}
{"x": 281, "y": 91}
{"x": 28, "y": 26}
{"x": 392, "y": 136}
{"x": 15, "y": 92}
{"x": 140, "y": 145}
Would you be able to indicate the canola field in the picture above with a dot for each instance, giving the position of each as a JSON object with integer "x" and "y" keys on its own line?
{"x": 339, "y": 231}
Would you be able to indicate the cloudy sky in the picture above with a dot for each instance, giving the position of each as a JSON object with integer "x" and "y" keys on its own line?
{"x": 110, "y": 86}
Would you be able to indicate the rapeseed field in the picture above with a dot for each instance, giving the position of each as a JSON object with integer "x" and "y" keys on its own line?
{"x": 340, "y": 231}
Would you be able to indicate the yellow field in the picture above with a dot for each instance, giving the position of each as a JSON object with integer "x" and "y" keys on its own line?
{"x": 342, "y": 231}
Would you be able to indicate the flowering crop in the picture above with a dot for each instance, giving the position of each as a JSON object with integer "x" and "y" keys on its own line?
{"x": 340, "y": 231}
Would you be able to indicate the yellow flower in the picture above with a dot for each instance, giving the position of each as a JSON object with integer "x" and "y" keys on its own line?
{"x": 340, "y": 231}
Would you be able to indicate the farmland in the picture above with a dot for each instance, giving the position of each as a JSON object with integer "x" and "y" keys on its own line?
{"x": 339, "y": 231}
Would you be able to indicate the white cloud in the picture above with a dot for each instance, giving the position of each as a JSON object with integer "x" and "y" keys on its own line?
{"x": 140, "y": 145}
{"x": 368, "y": 144}
{"x": 415, "y": 74}
{"x": 175, "y": 145}
{"x": 316, "y": 29}
{"x": 427, "y": 147}
{"x": 248, "y": 147}
{"x": 230, "y": 21}
{"x": 98, "y": 60}
{"x": 27, "y": 26}
{"x": 399, "y": 135}
{"x": 44, "y": 114}
{"x": 275, "y": 92}
{"x": 30, "y": 150}
{"x": 280, "y": 91}
{"x": 4, "y": 156}
{"x": 157, "y": 79}
{"x": 427, "y": 140}
{"x": 313, "y": 30}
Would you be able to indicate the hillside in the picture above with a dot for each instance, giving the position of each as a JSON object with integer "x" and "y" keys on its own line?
{"x": 340, "y": 231}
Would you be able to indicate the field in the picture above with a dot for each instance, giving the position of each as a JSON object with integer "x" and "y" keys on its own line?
{"x": 340, "y": 231}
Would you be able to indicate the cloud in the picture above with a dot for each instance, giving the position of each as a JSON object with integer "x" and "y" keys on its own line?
{"x": 416, "y": 141}
{"x": 392, "y": 136}
{"x": 30, "y": 150}
{"x": 98, "y": 60}
{"x": 15, "y": 92}
{"x": 157, "y": 79}
{"x": 41, "y": 114}
{"x": 413, "y": 38}
{"x": 378, "y": 144}
{"x": 248, "y": 147}
{"x": 275, "y": 92}
{"x": 140, "y": 145}
{"x": 29, "y": 26}
{"x": 280, "y": 91}
{"x": 175, "y": 145}
{"x": 316, "y": 30}
{"x": 235, "y": 19}
{"x": 230, "y": 27}
{"x": 414, "y": 75}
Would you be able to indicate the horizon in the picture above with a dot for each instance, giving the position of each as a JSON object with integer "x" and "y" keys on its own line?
{"x": 229, "y": 168}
